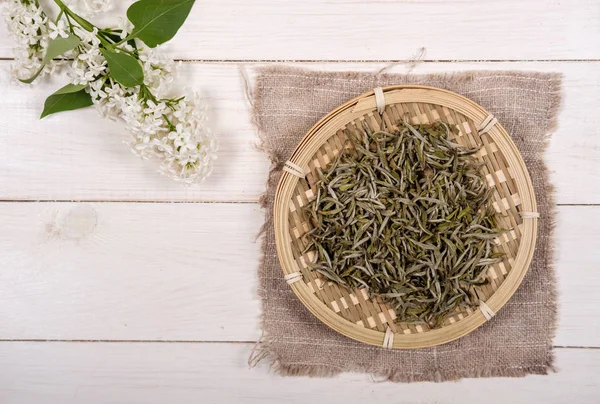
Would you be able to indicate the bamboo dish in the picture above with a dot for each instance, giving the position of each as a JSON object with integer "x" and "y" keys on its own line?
{"x": 352, "y": 312}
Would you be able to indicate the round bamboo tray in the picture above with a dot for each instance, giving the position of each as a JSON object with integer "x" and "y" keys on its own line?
{"x": 351, "y": 312}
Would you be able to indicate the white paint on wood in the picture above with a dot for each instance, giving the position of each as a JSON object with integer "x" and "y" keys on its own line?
{"x": 148, "y": 271}
{"x": 139, "y": 271}
{"x": 382, "y": 30}
{"x": 129, "y": 271}
{"x": 79, "y": 156}
{"x": 125, "y": 373}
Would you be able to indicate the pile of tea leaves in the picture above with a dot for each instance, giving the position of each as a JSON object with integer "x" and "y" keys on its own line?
{"x": 408, "y": 216}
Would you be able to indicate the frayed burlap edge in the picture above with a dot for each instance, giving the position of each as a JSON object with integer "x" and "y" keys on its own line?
{"x": 262, "y": 350}
{"x": 551, "y": 126}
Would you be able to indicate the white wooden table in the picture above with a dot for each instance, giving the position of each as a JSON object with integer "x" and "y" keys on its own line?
{"x": 119, "y": 286}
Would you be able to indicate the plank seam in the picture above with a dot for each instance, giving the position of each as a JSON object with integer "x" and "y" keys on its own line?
{"x": 166, "y": 202}
{"x": 127, "y": 341}
{"x": 342, "y": 61}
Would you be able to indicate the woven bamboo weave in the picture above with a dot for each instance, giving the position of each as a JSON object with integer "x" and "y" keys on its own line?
{"x": 353, "y": 313}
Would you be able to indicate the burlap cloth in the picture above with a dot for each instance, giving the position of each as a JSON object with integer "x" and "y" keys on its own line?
{"x": 517, "y": 342}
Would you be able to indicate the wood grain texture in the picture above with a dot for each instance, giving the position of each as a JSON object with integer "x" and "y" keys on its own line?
{"x": 383, "y": 30}
{"x": 125, "y": 373}
{"x": 79, "y": 156}
{"x": 129, "y": 271}
{"x": 154, "y": 271}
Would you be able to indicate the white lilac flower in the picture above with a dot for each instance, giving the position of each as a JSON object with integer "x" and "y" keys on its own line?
{"x": 179, "y": 139}
{"x": 89, "y": 63}
{"x": 190, "y": 150}
{"x": 98, "y": 6}
{"x": 159, "y": 70}
{"x": 156, "y": 110}
{"x": 90, "y": 37}
{"x": 125, "y": 26}
{"x": 27, "y": 22}
{"x": 107, "y": 97}
{"x": 88, "y": 8}
{"x": 58, "y": 29}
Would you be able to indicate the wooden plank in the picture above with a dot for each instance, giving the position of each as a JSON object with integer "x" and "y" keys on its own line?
{"x": 125, "y": 271}
{"x": 129, "y": 271}
{"x": 577, "y": 259}
{"x": 122, "y": 373}
{"x": 79, "y": 156}
{"x": 383, "y": 30}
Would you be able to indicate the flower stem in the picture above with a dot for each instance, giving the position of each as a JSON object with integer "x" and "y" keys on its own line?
{"x": 147, "y": 94}
{"x": 129, "y": 37}
{"x": 128, "y": 52}
{"x": 71, "y": 27}
{"x": 171, "y": 126}
{"x": 85, "y": 24}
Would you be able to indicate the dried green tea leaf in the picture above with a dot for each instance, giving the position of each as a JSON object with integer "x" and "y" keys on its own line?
{"x": 407, "y": 216}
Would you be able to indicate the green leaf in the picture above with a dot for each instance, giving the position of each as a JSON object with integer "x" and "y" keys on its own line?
{"x": 124, "y": 69}
{"x": 56, "y": 47}
{"x": 60, "y": 45}
{"x": 157, "y": 21}
{"x": 68, "y": 98}
{"x": 70, "y": 88}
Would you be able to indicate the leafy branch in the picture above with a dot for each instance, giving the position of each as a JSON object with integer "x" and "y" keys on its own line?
{"x": 119, "y": 71}
{"x": 155, "y": 22}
